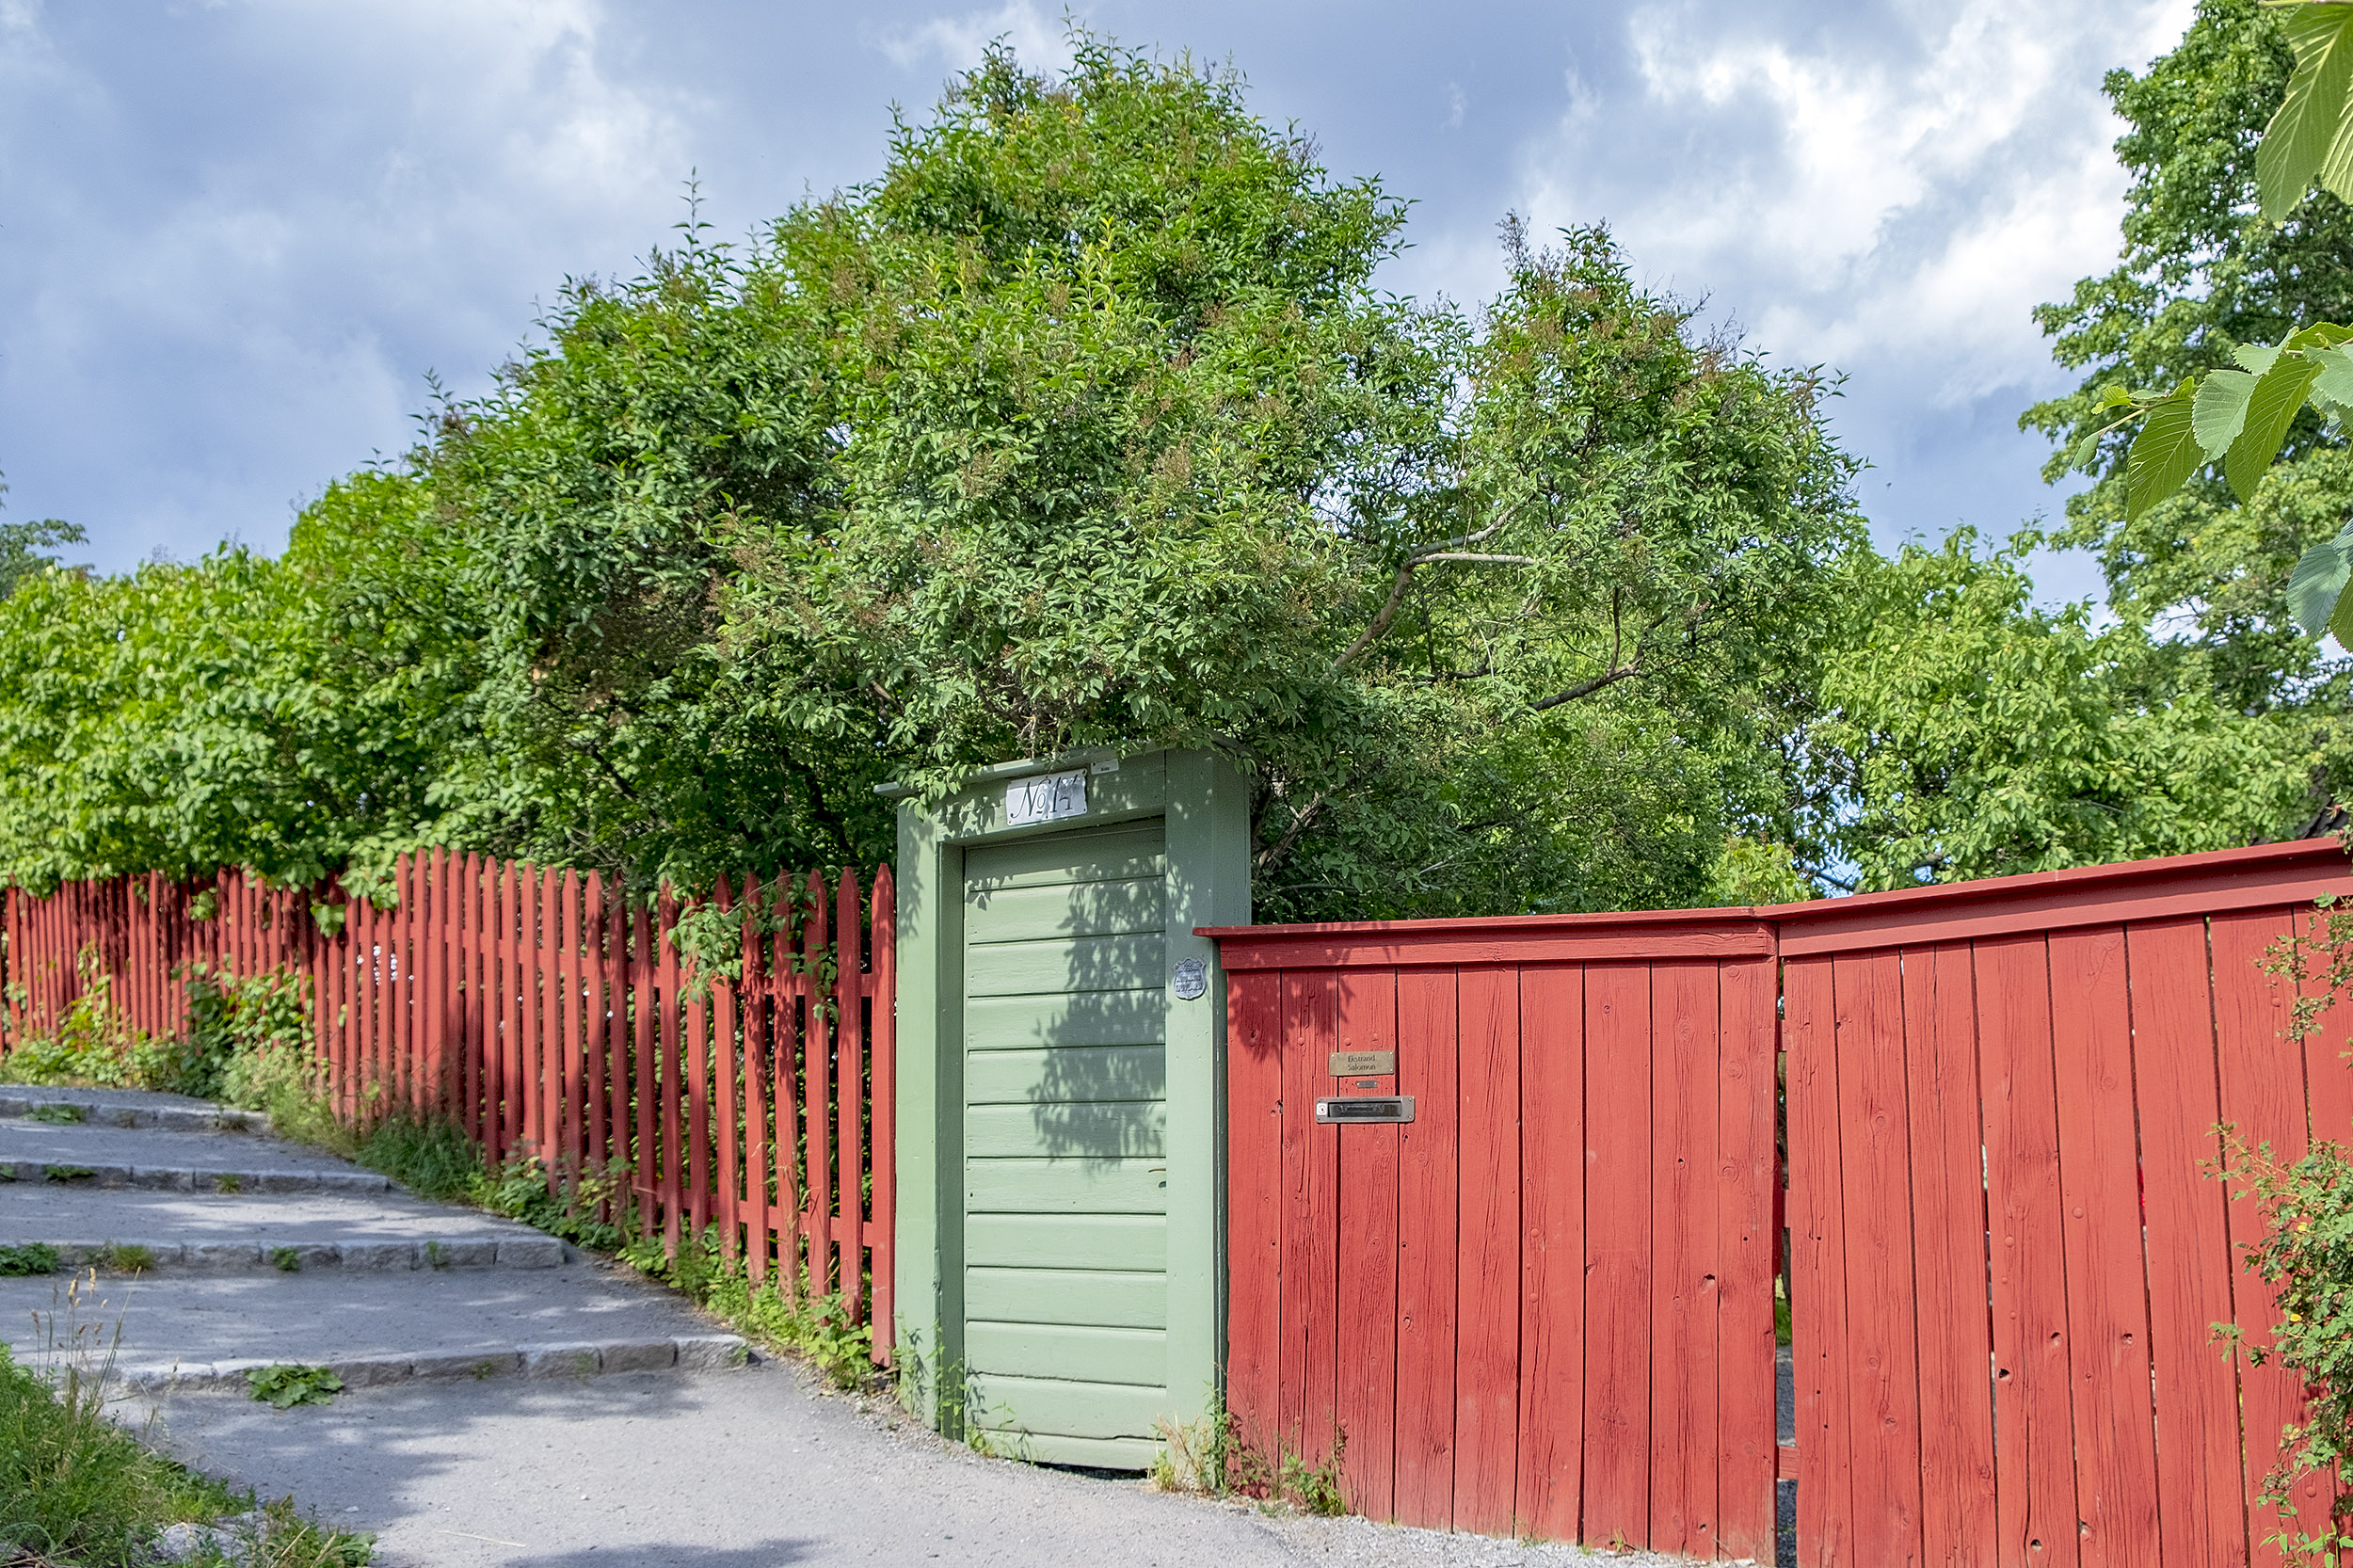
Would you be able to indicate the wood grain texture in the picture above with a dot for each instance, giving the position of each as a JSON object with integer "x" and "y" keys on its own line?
{"x": 1746, "y": 1455}
{"x": 1549, "y": 1485}
{"x": 1366, "y": 1021}
{"x": 1427, "y": 1191}
{"x": 1883, "y": 1393}
{"x": 2106, "y": 1285}
{"x": 1957, "y": 1502}
{"x": 1686, "y": 1219}
{"x": 1487, "y": 1249}
{"x": 1817, "y": 1277}
{"x": 1306, "y": 1000}
{"x": 2033, "y": 1400}
{"x": 2200, "y": 1509}
{"x": 1254, "y": 1164}
{"x": 1618, "y": 1256}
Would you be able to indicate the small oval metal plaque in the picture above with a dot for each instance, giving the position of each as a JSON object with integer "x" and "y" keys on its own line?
{"x": 1191, "y": 978}
{"x": 1365, "y": 1108}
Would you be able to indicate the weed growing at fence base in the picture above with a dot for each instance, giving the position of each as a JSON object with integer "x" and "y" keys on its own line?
{"x": 1209, "y": 1457}
{"x": 819, "y": 1328}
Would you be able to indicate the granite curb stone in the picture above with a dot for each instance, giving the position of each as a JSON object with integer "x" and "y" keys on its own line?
{"x": 701, "y": 1352}
{"x": 537, "y": 1252}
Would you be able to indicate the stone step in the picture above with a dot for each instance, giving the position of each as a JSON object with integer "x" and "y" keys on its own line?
{"x": 103, "y": 1107}
{"x": 696, "y": 1352}
{"x": 223, "y": 1176}
{"x": 292, "y": 1255}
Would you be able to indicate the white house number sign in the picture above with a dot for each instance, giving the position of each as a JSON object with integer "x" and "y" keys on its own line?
{"x": 1049, "y": 798}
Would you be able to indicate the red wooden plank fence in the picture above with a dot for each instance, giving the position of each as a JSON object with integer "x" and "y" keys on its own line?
{"x": 555, "y": 1020}
{"x": 1545, "y": 1303}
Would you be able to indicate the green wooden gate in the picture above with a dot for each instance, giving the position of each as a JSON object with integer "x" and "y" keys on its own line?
{"x": 1061, "y": 1053}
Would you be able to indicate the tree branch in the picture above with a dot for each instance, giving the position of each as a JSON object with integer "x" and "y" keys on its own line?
{"x": 1274, "y": 851}
{"x": 1380, "y": 626}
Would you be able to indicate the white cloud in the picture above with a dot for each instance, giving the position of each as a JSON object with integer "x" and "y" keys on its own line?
{"x": 1891, "y": 200}
{"x": 958, "y": 43}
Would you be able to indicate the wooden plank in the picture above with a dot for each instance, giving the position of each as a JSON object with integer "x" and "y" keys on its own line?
{"x": 547, "y": 958}
{"x": 1875, "y": 1167}
{"x": 616, "y": 1042}
{"x": 1059, "y": 911}
{"x": 1091, "y": 1130}
{"x": 1310, "y": 1287}
{"x": 1056, "y": 968}
{"x": 1818, "y": 1274}
{"x": 595, "y": 1065}
{"x": 885, "y": 975}
{"x": 1427, "y": 1190}
{"x": 850, "y": 1051}
{"x": 817, "y": 1095}
{"x": 1957, "y": 1512}
{"x": 1552, "y": 1260}
{"x": 1366, "y": 1021}
{"x": 2116, "y": 1462}
{"x": 1067, "y": 1074}
{"x": 1746, "y": 1459}
{"x": 1062, "y": 1408}
{"x": 697, "y": 1098}
{"x": 1102, "y": 1298}
{"x": 753, "y": 1012}
{"x": 785, "y": 1041}
{"x": 2264, "y": 1099}
{"x": 726, "y": 1125}
{"x": 1685, "y": 1216}
{"x": 1254, "y": 1209}
{"x": 1400, "y": 946}
{"x": 509, "y": 998}
{"x": 1487, "y": 1250}
{"x": 570, "y": 1137}
{"x": 1084, "y": 1353}
{"x": 1116, "y": 1242}
{"x": 644, "y": 1070}
{"x": 2201, "y": 1506}
{"x": 671, "y": 1065}
{"x": 1115, "y": 853}
{"x": 1618, "y": 1254}
{"x": 2035, "y": 1506}
{"x": 1063, "y": 1186}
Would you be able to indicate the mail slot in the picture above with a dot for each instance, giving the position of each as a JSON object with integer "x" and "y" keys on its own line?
{"x": 1366, "y": 1108}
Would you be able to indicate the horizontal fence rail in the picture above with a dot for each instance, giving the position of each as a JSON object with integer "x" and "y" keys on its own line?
{"x": 742, "y": 1089}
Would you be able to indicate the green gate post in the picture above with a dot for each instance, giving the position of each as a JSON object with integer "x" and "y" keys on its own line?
{"x": 1203, "y": 806}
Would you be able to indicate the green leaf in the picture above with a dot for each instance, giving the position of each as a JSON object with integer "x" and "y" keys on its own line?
{"x": 2255, "y": 356}
{"x": 2306, "y": 133}
{"x": 2277, "y": 398}
{"x": 2113, "y": 396}
{"x": 2317, "y": 587}
{"x": 2334, "y": 389}
{"x": 2086, "y": 450}
{"x": 2219, "y": 411}
{"x": 2164, "y": 455}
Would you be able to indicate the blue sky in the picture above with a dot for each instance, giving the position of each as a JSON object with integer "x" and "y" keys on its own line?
{"x": 235, "y": 235}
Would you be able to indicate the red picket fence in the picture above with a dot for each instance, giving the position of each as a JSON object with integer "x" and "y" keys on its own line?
{"x": 555, "y": 1019}
{"x": 1544, "y": 1304}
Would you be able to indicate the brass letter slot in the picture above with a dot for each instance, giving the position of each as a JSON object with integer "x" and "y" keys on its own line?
{"x": 1366, "y": 1108}
{"x": 1363, "y": 1064}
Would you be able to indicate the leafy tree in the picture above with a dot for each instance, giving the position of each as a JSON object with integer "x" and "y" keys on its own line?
{"x": 1964, "y": 732}
{"x": 2215, "y": 342}
{"x": 1083, "y": 424}
{"x": 25, "y": 548}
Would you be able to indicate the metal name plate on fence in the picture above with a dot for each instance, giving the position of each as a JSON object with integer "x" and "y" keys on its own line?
{"x": 1050, "y": 798}
{"x": 1363, "y": 1064}
{"x": 1366, "y": 1108}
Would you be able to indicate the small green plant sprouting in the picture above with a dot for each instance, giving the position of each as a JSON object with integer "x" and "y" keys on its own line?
{"x": 58, "y": 1114}
{"x": 817, "y": 1327}
{"x": 433, "y": 1256}
{"x": 123, "y": 1257}
{"x": 285, "y": 1261}
{"x": 66, "y": 1173}
{"x": 228, "y": 1181}
{"x": 1209, "y": 1456}
{"x": 34, "y": 1257}
{"x": 288, "y": 1385}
